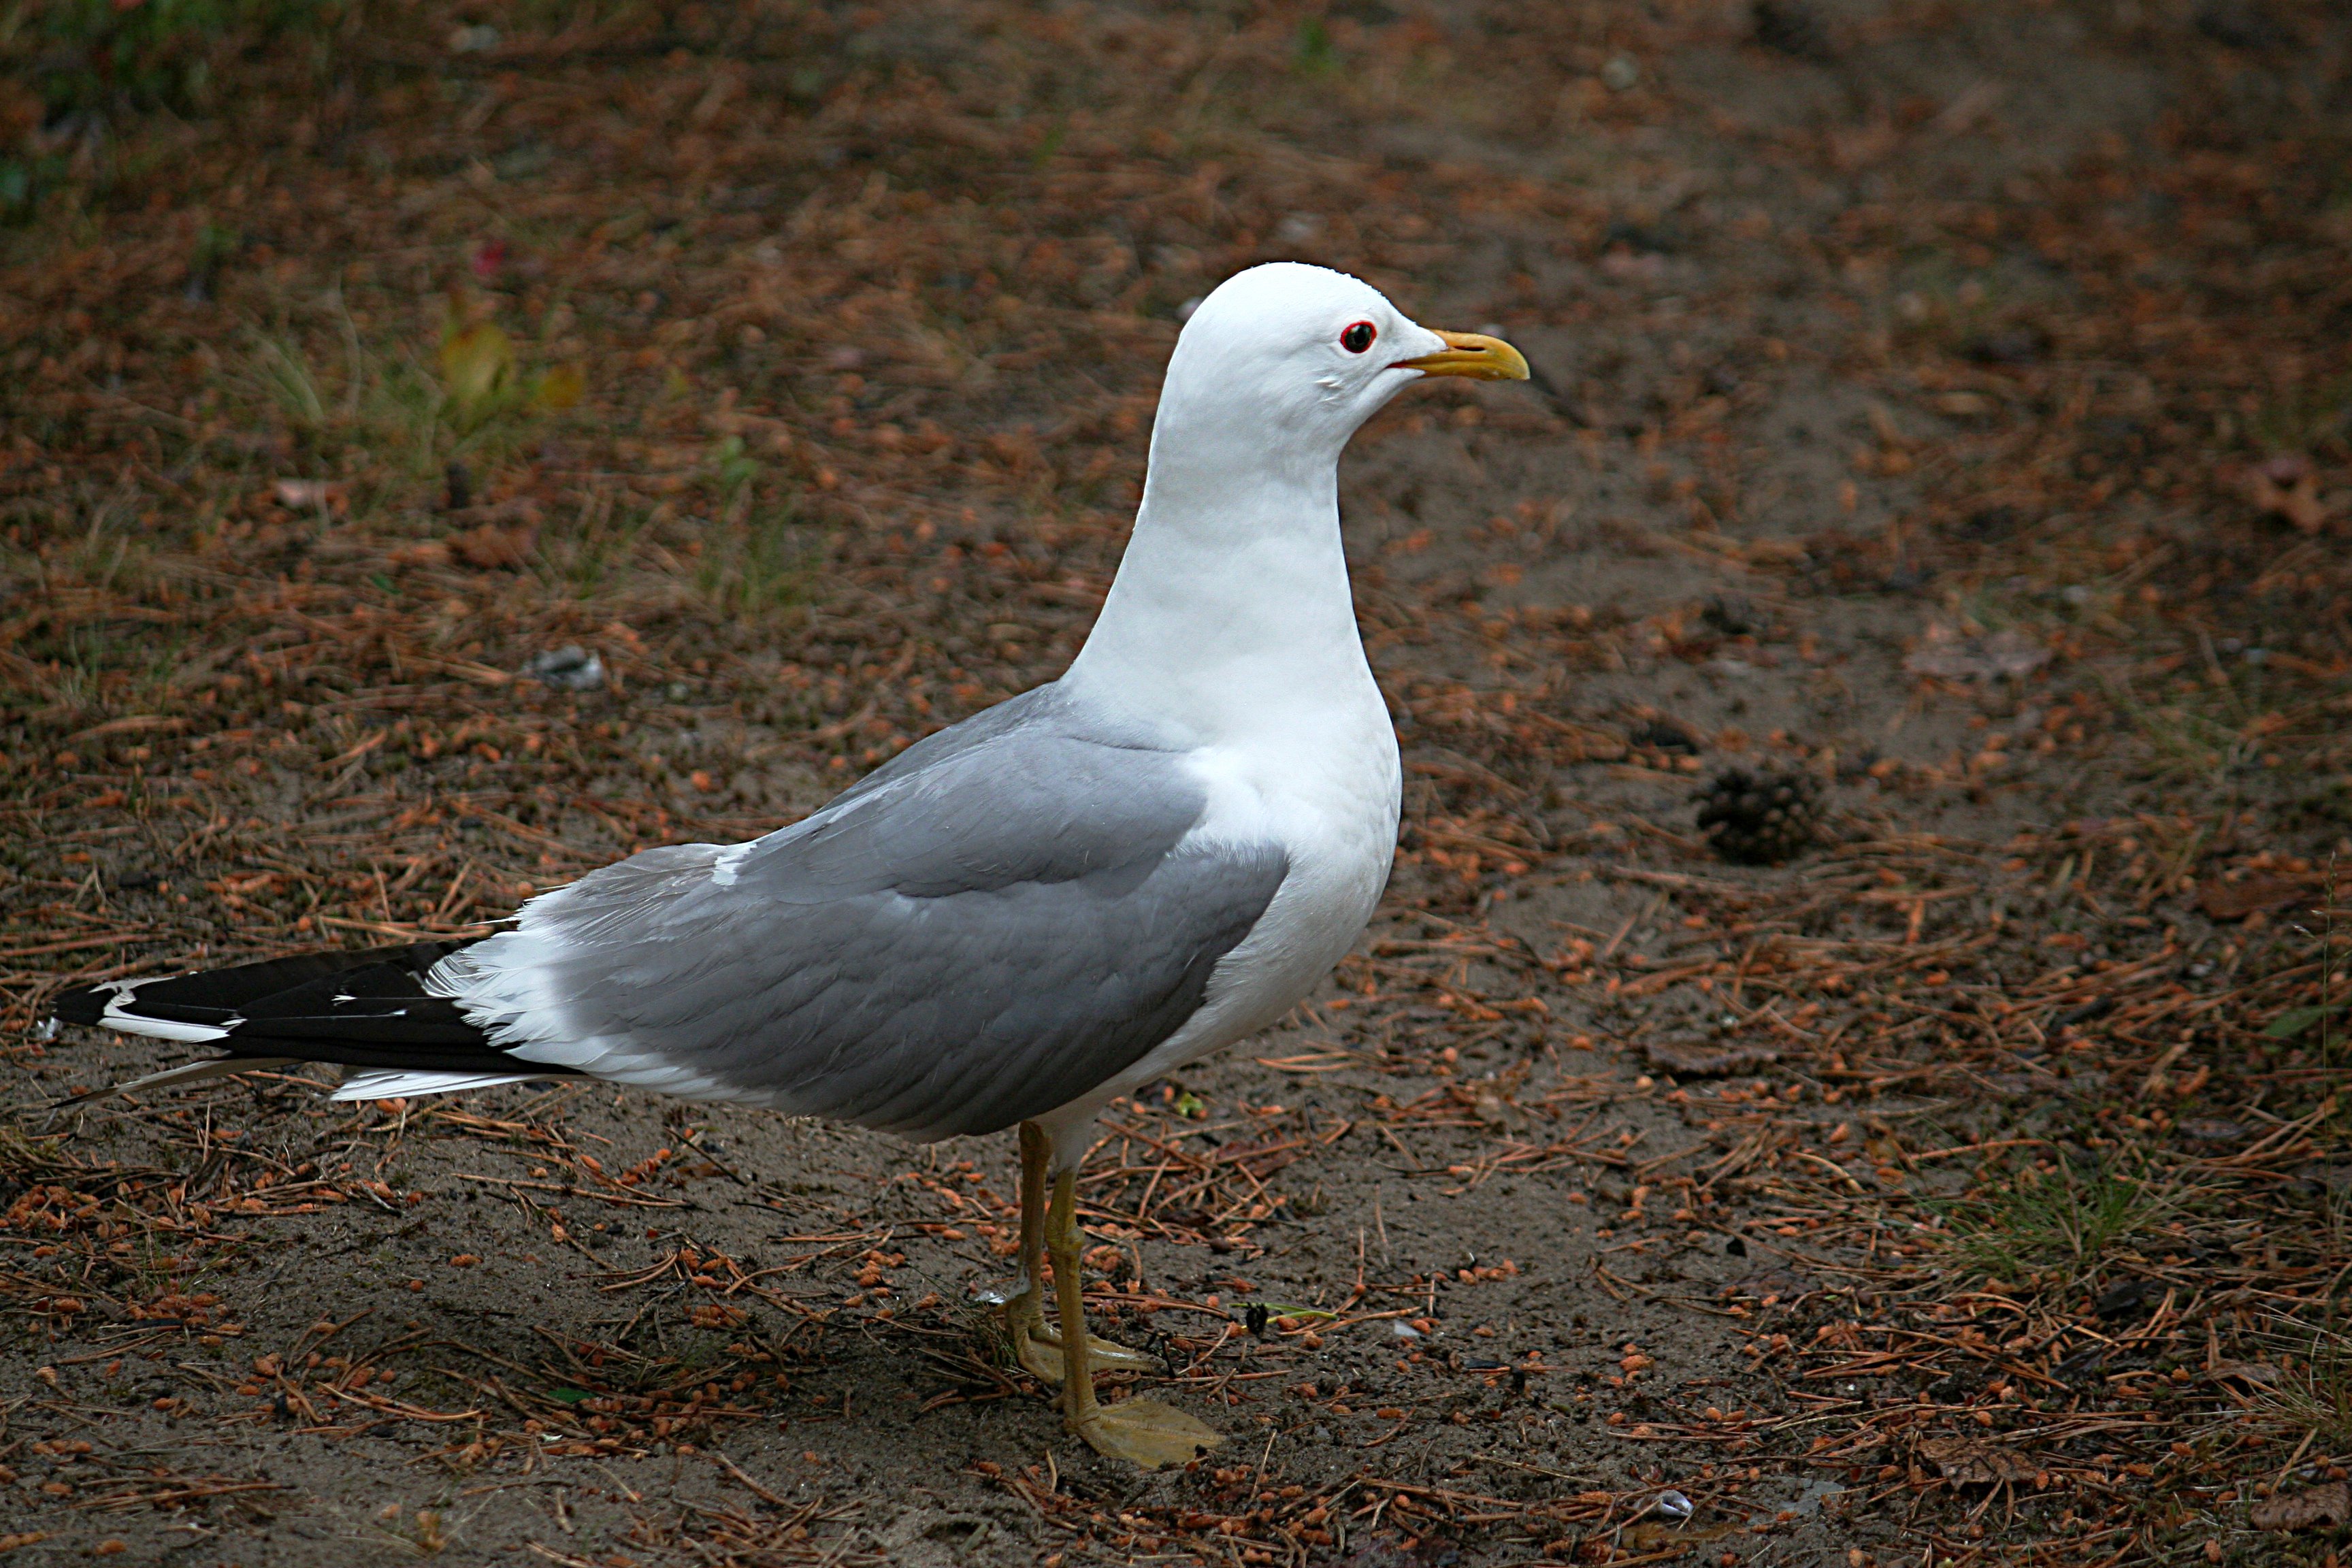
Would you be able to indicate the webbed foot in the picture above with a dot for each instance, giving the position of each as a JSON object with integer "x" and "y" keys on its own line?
{"x": 1147, "y": 1433}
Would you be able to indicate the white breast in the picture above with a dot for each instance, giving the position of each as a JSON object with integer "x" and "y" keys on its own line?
{"x": 1326, "y": 785}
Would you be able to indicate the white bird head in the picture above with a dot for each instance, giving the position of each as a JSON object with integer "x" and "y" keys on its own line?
{"x": 1232, "y": 615}
{"x": 1295, "y": 357}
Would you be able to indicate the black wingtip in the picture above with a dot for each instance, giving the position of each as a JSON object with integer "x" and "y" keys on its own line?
{"x": 86, "y": 1006}
{"x": 365, "y": 1009}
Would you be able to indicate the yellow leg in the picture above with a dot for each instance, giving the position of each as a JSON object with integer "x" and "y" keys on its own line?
{"x": 1024, "y": 1315}
{"x": 1141, "y": 1431}
{"x": 1035, "y": 1345}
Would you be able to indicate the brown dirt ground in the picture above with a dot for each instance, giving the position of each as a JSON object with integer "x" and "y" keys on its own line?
{"x": 1965, "y": 1189}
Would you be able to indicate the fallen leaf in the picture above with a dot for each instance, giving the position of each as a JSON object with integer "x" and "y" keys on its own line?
{"x": 562, "y": 387}
{"x": 2295, "y": 1021}
{"x": 2287, "y": 488}
{"x": 2330, "y": 1504}
{"x": 490, "y": 547}
{"x": 1948, "y": 654}
{"x": 1968, "y": 1463}
{"x": 2235, "y": 900}
{"x": 1698, "y": 1061}
{"x": 477, "y": 364}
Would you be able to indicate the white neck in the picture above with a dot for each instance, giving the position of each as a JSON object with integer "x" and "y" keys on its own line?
{"x": 1231, "y": 614}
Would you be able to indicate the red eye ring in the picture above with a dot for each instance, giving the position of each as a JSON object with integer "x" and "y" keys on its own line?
{"x": 1357, "y": 336}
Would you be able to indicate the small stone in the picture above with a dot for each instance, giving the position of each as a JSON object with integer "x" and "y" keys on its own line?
{"x": 566, "y": 669}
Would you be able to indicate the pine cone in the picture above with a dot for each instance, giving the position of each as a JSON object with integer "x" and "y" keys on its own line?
{"x": 1760, "y": 819}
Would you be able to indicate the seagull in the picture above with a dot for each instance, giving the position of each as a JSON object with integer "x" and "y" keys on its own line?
{"x": 1019, "y": 917}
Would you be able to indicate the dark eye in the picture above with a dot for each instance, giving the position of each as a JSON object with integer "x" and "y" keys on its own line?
{"x": 1359, "y": 337}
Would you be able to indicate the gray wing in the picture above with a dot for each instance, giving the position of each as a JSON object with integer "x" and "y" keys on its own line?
{"x": 996, "y": 923}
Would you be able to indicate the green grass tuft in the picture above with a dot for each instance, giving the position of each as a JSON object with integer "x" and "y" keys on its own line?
{"x": 2312, "y": 1396}
{"x": 2035, "y": 1222}
{"x": 756, "y": 566}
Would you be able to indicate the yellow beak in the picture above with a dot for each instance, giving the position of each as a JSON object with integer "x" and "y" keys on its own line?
{"x": 1474, "y": 355}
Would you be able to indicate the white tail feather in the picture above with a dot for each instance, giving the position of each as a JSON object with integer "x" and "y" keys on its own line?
{"x": 118, "y": 1015}
{"x": 187, "y": 1072}
{"x": 392, "y": 1083}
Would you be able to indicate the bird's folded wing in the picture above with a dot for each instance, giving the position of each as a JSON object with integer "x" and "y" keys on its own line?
{"x": 972, "y": 937}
